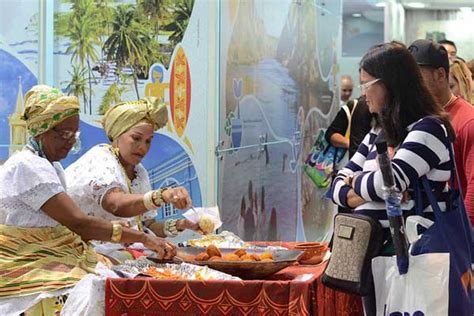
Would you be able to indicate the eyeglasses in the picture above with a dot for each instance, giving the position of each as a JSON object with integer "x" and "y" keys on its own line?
{"x": 365, "y": 86}
{"x": 67, "y": 135}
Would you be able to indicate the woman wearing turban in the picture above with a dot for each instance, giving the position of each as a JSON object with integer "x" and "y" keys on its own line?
{"x": 110, "y": 182}
{"x": 42, "y": 231}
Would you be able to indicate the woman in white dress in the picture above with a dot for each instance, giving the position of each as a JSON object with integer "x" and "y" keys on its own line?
{"x": 42, "y": 231}
{"x": 110, "y": 182}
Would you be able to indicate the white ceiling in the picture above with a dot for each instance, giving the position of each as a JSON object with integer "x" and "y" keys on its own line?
{"x": 353, "y": 6}
{"x": 441, "y": 4}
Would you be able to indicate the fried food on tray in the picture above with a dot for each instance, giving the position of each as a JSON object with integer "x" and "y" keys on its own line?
{"x": 206, "y": 225}
{"x": 215, "y": 258}
{"x": 240, "y": 252}
{"x": 165, "y": 274}
{"x": 266, "y": 255}
{"x": 202, "y": 257}
{"x": 230, "y": 257}
{"x": 213, "y": 254}
{"x": 213, "y": 251}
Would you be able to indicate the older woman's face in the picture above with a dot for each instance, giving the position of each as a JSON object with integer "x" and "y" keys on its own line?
{"x": 135, "y": 143}
{"x": 375, "y": 93}
{"x": 58, "y": 141}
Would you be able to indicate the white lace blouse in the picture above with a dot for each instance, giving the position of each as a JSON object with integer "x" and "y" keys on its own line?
{"x": 27, "y": 181}
{"x": 94, "y": 174}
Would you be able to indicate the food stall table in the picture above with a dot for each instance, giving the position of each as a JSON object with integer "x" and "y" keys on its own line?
{"x": 295, "y": 290}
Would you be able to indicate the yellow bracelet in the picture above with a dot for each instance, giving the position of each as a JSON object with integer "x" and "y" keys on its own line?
{"x": 148, "y": 201}
{"x": 157, "y": 196}
{"x": 116, "y": 233}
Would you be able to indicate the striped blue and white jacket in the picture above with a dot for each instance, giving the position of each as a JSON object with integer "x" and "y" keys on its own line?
{"x": 423, "y": 152}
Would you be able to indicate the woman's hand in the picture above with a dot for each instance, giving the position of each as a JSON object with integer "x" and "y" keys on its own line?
{"x": 178, "y": 196}
{"x": 354, "y": 200}
{"x": 163, "y": 248}
{"x": 183, "y": 224}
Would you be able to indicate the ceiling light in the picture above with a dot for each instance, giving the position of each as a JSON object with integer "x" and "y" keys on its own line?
{"x": 356, "y": 15}
{"x": 380, "y": 4}
{"x": 416, "y": 5}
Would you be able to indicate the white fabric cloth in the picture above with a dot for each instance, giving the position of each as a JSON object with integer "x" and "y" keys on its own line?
{"x": 94, "y": 174}
{"x": 27, "y": 182}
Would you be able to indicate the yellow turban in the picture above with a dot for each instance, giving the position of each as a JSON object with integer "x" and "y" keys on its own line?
{"x": 124, "y": 116}
{"x": 46, "y": 107}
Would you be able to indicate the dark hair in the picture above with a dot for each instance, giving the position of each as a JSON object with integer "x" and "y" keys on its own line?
{"x": 445, "y": 41}
{"x": 408, "y": 99}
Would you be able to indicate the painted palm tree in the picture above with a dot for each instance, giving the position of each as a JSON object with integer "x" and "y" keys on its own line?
{"x": 152, "y": 10}
{"x": 78, "y": 84}
{"x": 128, "y": 43}
{"x": 113, "y": 95}
{"x": 181, "y": 13}
{"x": 84, "y": 37}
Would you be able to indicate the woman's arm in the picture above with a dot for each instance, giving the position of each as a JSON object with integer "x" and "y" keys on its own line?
{"x": 423, "y": 150}
{"x": 62, "y": 208}
{"x": 341, "y": 189}
{"x": 121, "y": 204}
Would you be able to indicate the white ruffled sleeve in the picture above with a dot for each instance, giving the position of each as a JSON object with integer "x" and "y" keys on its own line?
{"x": 94, "y": 174}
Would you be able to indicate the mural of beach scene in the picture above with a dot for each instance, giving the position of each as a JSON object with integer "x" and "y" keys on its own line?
{"x": 112, "y": 51}
{"x": 278, "y": 89}
{"x": 18, "y": 68}
{"x": 106, "y": 52}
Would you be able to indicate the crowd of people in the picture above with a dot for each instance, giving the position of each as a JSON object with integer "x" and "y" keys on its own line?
{"x": 420, "y": 97}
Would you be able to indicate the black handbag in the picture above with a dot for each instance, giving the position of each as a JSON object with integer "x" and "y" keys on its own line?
{"x": 357, "y": 239}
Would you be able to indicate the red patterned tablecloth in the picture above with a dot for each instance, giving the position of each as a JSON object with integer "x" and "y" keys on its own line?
{"x": 280, "y": 295}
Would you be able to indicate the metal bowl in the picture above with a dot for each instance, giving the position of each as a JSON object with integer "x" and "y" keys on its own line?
{"x": 246, "y": 269}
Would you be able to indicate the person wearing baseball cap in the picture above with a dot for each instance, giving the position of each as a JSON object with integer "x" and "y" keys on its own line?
{"x": 434, "y": 65}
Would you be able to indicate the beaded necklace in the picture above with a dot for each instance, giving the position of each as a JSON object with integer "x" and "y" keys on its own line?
{"x": 115, "y": 152}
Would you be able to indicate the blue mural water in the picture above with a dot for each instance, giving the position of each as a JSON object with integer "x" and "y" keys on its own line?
{"x": 12, "y": 71}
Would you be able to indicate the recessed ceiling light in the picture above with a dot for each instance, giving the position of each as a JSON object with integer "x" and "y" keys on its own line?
{"x": 416, "y": 5}
{"x": 380, "y": 4}
{"x": 356, "y": 15}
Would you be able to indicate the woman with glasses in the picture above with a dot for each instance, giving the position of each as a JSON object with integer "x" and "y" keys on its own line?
{"x": 416, "y": 129}
{"x": 110, "y": 182}
{"x": 43, "y": 253}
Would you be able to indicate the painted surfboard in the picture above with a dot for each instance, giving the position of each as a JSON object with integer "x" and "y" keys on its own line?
{"x": 180, "y": 91}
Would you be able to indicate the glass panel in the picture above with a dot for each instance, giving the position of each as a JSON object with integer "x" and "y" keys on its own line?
{"x": 278, "y": 72}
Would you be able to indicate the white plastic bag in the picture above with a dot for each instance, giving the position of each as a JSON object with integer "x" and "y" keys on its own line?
{"x": 424, "y": 289}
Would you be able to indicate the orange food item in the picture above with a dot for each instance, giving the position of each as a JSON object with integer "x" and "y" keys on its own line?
{"x": 247, "y": 257}
{"x": 240, "y": 252}
{"x": 165, "y": 274}
{"x": 266, "y": 255}
{"x": 230, "y": 257}
{"x": 213, "y": 251}
{"x": 255, "y": 257}
{"x": 202, "y": 257}
{"x": 267, "y": 260}
{"x": 215, "y": 258}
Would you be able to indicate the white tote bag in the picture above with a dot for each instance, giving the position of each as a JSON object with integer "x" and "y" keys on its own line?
{"x": 424, "y": 290}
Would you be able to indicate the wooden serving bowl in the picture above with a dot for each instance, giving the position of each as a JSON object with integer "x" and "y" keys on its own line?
{"x": 314, "y": 252}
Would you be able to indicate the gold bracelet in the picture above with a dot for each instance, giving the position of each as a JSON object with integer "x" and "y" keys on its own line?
{"x": 117, "y": 230}
{"x": 170, "y": 228}
{"x": 148, "y": 201}
{"x": 157, "y": 197}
